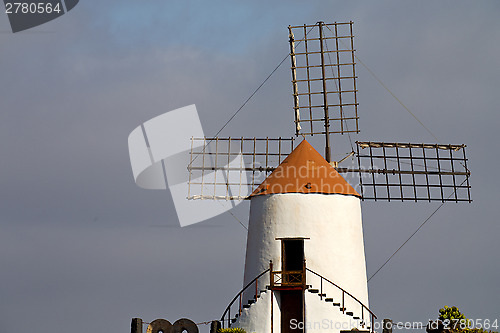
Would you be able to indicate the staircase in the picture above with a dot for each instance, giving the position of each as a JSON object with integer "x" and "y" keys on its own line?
{"x": 362, "y": 313}
{"x": 238, "y": 303}
{"x": 342, "y": 308}
{"x": 278, "y": 281}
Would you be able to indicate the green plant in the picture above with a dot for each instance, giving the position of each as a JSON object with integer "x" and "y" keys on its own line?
{"x": 231, "y": 330}
{"x": 456, "y": 322}
{"x": 452, "y": 314}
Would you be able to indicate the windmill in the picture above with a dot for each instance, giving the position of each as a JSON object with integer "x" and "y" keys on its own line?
{"x": 305, "y": 252}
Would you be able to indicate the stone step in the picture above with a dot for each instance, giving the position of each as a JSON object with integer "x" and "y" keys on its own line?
{"x": 336, "y": 304}
{"x": 322, "y": 295}
{"x": 313, "y": 291}
{"x": 328, "y": 299}
{"x": 349, "y": 313}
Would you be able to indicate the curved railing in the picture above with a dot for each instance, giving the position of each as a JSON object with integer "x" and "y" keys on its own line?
{"x": 240, "y": 296}
{"x": 344, "y": 292}
{"x": 226, "y": 316}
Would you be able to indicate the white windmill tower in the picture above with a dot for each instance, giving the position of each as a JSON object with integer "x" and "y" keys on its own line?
{"x": 304, "y": 219}
{"x": 305, "y": 264}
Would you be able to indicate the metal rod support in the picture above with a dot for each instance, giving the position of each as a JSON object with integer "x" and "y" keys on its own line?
{"x": 325, "y": 96}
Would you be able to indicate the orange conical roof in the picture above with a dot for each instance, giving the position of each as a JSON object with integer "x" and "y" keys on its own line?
{"x": 305, "y": 171}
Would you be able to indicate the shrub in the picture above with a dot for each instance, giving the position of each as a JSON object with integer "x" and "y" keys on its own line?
{"x": 452, "y": 314}
{"x": 231, "y": 330}
{"x": 458, "y": 323}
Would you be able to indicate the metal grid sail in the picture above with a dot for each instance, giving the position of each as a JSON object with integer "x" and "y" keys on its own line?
{"x": 325, "y": 102}
{"x": 324, "y": 78}
{"x": 230, "y": 168}
{"x": 412, "y": 172}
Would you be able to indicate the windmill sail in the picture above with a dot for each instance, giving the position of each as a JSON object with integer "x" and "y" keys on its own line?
{"x": 325, "y": 102}
{"x": 230, "y": 168}
{"x": 412, "y": 172}
{"x": 324, "y": 78}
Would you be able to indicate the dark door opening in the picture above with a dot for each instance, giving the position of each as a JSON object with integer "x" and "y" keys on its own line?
{"x": 292, "y": 311}
{"x": 292, "y": 259}
{"x": 292, "y": 285}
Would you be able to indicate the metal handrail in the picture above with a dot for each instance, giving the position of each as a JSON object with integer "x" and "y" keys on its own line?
{"x": 373, "y": 316}
{"x": 228, "y": 309}
{"x": 255, "y": 280}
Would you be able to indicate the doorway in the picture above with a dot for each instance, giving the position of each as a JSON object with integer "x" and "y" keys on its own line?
{"x": 292, "y": 291}
{"x": 292, "y": 311}
{"x": 292, "y": 259}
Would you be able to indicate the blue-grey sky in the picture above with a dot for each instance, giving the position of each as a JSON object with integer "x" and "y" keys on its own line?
{"x": 82, "y": 247}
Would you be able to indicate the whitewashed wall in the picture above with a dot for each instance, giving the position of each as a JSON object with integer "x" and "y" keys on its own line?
{"x": 335, "y": 248}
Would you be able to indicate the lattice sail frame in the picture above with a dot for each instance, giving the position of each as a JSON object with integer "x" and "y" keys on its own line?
{"x": 230, "y": 168}
{"x": 412, "y": 172}
{"x": 324, "y": 78}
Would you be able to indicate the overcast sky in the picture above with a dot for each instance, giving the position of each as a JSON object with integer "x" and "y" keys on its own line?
{"x": 83, "y": 248}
